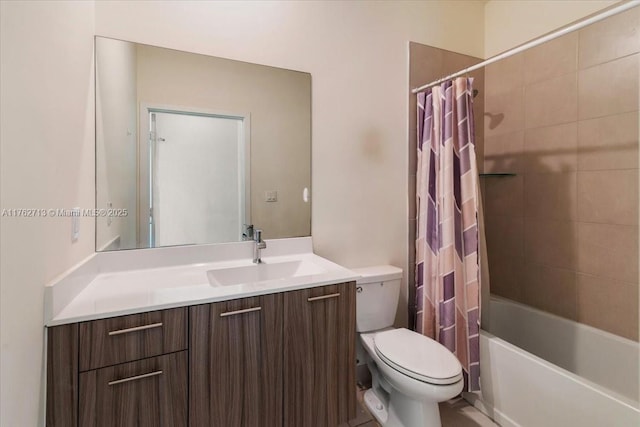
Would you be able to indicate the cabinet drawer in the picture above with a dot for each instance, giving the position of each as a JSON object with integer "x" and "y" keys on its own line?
{"x": 123, "y": 339}
{"x": 149, "y": 392}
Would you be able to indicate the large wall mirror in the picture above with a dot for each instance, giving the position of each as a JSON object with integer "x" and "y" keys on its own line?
{"x": 192, "y": 149}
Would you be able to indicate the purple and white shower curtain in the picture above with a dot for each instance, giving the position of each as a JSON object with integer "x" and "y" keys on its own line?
{"x": 447, "y": 255}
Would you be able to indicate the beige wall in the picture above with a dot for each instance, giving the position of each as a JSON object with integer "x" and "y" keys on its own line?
{"x": 357, "y": 54}
{"x": 279, "y": 102}
{"x": 47, "y": 146}
{"x": 509, "y": 23}
{"x": 563, "y": 233}
{"x": 116, "y": 142}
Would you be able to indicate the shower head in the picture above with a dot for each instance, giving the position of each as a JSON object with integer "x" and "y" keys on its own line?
{"x": 494, "y": 119}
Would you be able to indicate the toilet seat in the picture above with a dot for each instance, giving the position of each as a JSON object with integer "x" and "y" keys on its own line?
{"x": 417, "y": 356}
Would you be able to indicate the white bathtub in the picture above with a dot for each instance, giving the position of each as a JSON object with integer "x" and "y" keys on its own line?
{"x": 558, "y": 373}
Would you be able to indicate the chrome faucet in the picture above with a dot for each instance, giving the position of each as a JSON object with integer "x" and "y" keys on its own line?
{"x": 247, "y": 232}
{"x": 259, "y": 244}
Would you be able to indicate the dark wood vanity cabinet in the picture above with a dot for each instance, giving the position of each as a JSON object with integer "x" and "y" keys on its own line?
{"x": 319, "y": 356}
{"x": 146, "y": 393}
{"x": 123, "y": 371}
{"x": 62, "y": 376}
{"x": 121, "y": 339}
{"x": 284, "y": 359}
{"x": 236, "y": 363}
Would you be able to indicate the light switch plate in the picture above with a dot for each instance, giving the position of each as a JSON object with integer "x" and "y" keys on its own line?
{"x": 271, "y": 196}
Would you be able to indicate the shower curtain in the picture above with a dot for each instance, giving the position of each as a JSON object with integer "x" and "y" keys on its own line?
{"x": 447, "y": 261}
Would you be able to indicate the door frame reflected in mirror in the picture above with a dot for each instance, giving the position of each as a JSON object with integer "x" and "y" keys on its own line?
{"x": 129, "y": 75}
{"x": 148, "y": 139}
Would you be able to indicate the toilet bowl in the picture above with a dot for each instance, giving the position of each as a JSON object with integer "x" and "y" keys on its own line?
{"x": 410, "y": 373}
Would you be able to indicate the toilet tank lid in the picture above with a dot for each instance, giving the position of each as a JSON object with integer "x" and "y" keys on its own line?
{"x": 377, "y": 273}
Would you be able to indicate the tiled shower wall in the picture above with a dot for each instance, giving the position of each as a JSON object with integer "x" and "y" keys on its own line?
{"x": 562, "y": 234}
{"x": 427, "y": 64}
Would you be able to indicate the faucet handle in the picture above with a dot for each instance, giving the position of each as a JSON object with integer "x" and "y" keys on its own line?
{"x": 257, "y": 235}
{"x": 248, "y": 232}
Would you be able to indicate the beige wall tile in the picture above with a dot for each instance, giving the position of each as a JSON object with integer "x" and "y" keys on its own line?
{"x": 551, "y": 243}
{"x": 609, "y": 196}
{"x": 609, "y": 251}
{"x": 411, "y": 238}
{"x": 412, "y": 196}
{"x": 503, "y": 153}
{"x": 413, "y": 135}
{"x": 615, "y": 37}
{"x": 551, "y": 59}
{"x": 478, "y": 120}
{"x": 550, "y": 195}
{"x": 551, "y": 289}
{"x": 453, "y": 62}
{"x": 551, "y": 149}
{"x": 568, "y": 170}
{"x": 478, "y": 84}
{"x": 504, "y": 196}
{"x": 413, "y": 155}
{"x": 506, "y": 276}
{"x": 504, "y": 75}
{"x": 425, "y": 64}
{"x": 551, "y": 101}
{"x": 609, "y": 88}
{"x": 608, "y": 305}
{"x": 608, "y": 142}
{"x": 478, "y": 117}
{"x": 504, "y": 112}
{"x": 505, "y": 236}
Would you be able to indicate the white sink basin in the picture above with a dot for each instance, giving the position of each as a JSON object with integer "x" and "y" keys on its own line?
{"x": 263, "y": 272}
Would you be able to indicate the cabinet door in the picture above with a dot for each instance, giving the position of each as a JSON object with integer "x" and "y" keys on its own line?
{"x": 236, "y": 363}
{"x": 319, "y": 356}
{"x": 62, "y": 376}
{"x": 149, "y": 392}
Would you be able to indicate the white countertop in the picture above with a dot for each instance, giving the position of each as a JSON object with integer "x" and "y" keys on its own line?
{"x": 101, "y": 291}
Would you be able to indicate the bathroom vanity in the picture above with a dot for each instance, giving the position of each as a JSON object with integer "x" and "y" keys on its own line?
{"x": 198, "y": 334}
{"x": 228, "y": 343}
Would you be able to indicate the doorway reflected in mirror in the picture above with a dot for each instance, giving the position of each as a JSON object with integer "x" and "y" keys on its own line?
{"x": 177, "y": 188}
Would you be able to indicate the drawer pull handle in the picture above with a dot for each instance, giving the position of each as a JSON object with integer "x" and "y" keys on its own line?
{"x": 321, "y": 297}
{"x": 137, "y": 377}
{"x": 137, "y": 328}
{"x": 246, "y": 310}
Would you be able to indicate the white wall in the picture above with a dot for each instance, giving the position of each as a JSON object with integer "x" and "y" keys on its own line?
{"x": 509, "y": 23}
{"x": 46, "y": 161}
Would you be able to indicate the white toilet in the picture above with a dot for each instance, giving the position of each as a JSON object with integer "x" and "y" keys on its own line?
{"x": 410, "y": 373}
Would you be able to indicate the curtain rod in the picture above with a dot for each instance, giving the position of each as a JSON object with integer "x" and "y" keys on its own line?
{"x": 599, "y": 17}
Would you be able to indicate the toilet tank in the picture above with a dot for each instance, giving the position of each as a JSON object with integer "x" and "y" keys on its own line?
{"x": 377, "y": 293}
